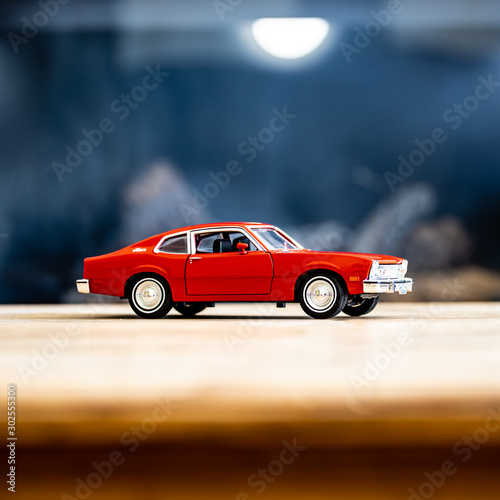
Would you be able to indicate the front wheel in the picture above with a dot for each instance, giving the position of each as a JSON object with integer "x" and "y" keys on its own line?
{"x": 189, "y": 309}
{"x": 322, "y": 296}
{"x": 360, "y": 307}
{"x": 150, "y": 297}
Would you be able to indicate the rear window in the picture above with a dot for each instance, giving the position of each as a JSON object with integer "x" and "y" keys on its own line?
{"x": 175, "y": 244}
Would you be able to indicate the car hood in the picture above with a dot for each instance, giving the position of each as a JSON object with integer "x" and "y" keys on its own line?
{"x": 383, "y": 259}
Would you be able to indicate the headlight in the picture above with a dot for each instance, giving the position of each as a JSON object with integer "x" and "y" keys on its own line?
{"x": 374, "y": 270}
{"x": 404, "y": 268}
{"x": 388, "y": 271}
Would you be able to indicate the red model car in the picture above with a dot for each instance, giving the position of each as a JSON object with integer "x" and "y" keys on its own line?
{"x": 194, "y": 267}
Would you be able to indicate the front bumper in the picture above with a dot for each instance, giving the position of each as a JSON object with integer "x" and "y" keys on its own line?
{"x": 83, "y": 286}
{"x": 400, "y": 285}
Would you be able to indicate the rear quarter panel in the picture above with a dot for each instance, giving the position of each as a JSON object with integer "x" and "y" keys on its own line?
{"x": 108, "y": 274}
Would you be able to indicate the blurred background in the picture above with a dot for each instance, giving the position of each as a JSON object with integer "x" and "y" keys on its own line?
{"x": 353, "y": 125}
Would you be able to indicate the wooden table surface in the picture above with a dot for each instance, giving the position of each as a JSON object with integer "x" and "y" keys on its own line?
{"x": 216, "y": 397}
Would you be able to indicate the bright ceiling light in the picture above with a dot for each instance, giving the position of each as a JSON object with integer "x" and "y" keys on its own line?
{"x": 290, "y": 37}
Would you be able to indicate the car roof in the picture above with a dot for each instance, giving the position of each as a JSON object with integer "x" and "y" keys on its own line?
{"x": 212, "y": 225}
{"x": 152, "y": 240}
{"x": 216, "y": 225}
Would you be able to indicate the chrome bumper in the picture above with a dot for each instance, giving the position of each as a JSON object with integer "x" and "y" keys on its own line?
{"x": 83, "y": 286}
{"x": 401, "y": 285}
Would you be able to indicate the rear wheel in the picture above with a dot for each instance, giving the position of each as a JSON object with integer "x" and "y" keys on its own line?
{"x": 150, "y": 297}
{"x": 359, "y": 307}
{"x": 189, "y": 309}
{"x": 322, "y": 296}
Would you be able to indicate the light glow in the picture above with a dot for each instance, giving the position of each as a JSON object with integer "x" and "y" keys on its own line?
{"x": 290, "y": 37}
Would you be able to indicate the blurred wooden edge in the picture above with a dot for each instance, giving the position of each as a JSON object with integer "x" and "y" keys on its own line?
{"x": 429, "y": 423}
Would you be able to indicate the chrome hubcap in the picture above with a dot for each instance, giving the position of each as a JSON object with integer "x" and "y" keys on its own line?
{"x": 148, "y": 294}
{"x": 320, "y": 294}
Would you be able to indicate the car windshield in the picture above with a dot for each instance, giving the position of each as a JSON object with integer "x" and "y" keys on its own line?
{"x": 274, "y": 240}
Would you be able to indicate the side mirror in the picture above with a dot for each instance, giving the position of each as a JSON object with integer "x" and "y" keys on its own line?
{"x": 242, "y": 247}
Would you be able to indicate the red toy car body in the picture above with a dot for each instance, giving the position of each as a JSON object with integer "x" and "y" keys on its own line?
{"x": 194, "y": 267}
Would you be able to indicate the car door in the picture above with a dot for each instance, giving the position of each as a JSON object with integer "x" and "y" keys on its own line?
{"x": 228, "y": 272}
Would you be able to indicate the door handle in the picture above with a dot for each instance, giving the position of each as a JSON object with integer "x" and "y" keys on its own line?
{"x": 194, "y": 258}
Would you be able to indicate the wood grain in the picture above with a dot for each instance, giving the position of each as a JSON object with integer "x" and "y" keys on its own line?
{"x": 376, "y": 401}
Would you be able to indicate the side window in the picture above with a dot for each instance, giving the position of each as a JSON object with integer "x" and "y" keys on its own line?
{"x": 205, "y": 242}
{"x": 221, "y": 242}
{"x": 236, "y": 238}
{"x": 175, "y": 244}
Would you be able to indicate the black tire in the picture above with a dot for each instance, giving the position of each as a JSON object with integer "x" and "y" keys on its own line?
{"x": 360, "y": 307}
{"x": 189, "y": 309}
{"x": 322, "y": 295}
{"x": 150, "y": 296}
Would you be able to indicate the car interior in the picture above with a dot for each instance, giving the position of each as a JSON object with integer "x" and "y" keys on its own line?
{"x": 222, "y": 242}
